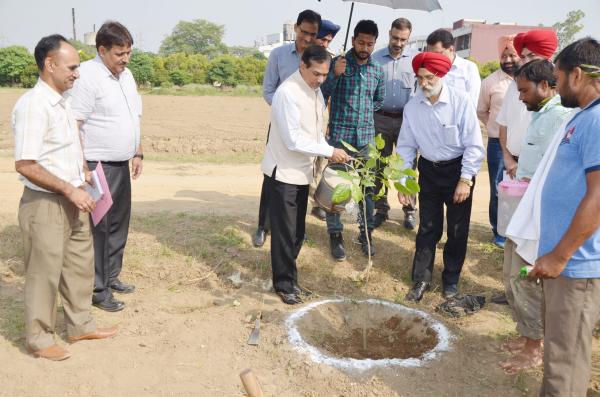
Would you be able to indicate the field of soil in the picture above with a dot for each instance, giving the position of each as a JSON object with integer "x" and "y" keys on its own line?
{"x": 200, "y": 282}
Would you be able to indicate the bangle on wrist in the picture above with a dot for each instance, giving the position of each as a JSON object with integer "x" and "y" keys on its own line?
{"x": 139, "y": 155}
{"x": 466, "y": 181}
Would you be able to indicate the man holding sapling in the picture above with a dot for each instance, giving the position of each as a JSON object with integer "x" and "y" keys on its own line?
{"x": 296, "y": 138}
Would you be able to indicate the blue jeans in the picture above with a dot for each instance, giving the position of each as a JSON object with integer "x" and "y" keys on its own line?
{"x": 495, "y": 168}
{"x": 334, "y": 221}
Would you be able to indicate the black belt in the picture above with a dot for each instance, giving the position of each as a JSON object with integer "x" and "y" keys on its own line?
{"x": 113, "y": 163}
{"x": 395, "y": 115}
{"x": 442, "y": 163}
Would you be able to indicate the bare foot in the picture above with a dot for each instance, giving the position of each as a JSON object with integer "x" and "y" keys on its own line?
{"x": 514, "y": 345}
{"x": 521, "y": 362}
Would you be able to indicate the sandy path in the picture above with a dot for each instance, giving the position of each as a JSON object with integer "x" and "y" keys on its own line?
{"x": 204, "y": 188}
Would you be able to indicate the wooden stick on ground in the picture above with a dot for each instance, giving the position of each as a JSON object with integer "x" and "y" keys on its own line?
{"x": 250, "y": 383}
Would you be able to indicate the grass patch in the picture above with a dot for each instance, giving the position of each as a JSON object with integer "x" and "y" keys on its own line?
{"x": 12, "y": 321}
{"x": 206, "y": 90}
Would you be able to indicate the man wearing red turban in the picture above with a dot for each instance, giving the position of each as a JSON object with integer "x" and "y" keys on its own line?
{"x": 540, "y": 42}
{"x": 463, "y": 74}
{"x": 440, "y": 122}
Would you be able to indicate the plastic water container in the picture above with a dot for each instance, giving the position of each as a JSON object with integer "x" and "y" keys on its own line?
{"x": 510, "y": 193}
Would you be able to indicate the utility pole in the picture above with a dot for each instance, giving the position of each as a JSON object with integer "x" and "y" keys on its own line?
{"x": 74, "y": 33}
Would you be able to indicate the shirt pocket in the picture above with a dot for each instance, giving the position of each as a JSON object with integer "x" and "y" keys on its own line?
{"x": 451, "y": 135}
{"x": 58, "y": 134}
{"x": 407, "y": 81}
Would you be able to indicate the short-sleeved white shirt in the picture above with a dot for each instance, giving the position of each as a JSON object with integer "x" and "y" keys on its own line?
{"x": 515, "y": 117}
{"x": 110, "y": 109}
{"x": 45, "y": 131}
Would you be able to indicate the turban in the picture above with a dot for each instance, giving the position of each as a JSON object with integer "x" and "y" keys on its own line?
{"x": 327, "y": 27}
{"x": 505, "y": 42}
{"x": 542, "y": 42}
{"x": 438, "y": 64}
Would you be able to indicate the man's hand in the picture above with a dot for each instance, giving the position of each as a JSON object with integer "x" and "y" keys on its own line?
{"x": 81, "y": 199}
{"x": 550, "y": 265}
{"x": 340, "y": 66}
{"x": 404, "y": 199}
{"x": 511, "y": 166}
{"x": 136, "y": 167}
{"x": 461, "y": 193}
{"x": 339, "y": 156}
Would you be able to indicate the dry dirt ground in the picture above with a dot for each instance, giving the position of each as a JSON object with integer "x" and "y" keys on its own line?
{"x": 184, "y": 331}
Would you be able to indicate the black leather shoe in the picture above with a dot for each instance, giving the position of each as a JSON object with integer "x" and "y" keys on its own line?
{"x": 298, "y": 290}
{"x": 122, "y": 288}
{"x": 379, "y": 219}
{"x": 110, "y": 305}
{"x": 289, "y": 299}
{"x": 319, "y": 213}
{"x": 410, "y": 222}
{"x": 336, "y": 242}
{"x": 362, "y": 239}
{"x": 450, "y": 291}
{"x": 258, "y": 239}
{"x": 417, "y": 291}
{"x": 499, "y": 299}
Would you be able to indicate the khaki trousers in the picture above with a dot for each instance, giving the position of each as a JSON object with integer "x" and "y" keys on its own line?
{"x": 524, "y": 295}
{"x": 59, "y": 258}
{"x": 570, "y": 315}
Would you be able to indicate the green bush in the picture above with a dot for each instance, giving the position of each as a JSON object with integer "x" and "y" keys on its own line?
{"x": 14, "y": 63}
{"x": 180, "y": 77}
{"x": 223, "y": 70}
{"x": 142, "y": 67}
{"x": 29, "y": 76}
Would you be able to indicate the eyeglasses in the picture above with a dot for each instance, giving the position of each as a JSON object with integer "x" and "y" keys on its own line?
{"x": 310, "y": 34}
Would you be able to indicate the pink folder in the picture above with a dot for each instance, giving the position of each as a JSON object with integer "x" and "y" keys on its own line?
{"x": 105, "y": 202}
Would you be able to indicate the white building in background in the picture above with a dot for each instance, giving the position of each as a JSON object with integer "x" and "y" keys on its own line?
{"x": 274, "y": 40}
{"x": 89, "y": 38}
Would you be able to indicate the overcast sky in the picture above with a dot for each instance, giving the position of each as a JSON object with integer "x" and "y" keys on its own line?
{"x": 24, "y": 22}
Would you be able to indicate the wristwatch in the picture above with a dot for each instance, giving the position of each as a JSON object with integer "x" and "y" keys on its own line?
{"x": 139, "y": 155}
{"x": 467, "y": 182}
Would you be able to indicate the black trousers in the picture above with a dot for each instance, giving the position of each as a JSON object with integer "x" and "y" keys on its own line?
{"x": 110, "y": 234}
{"x": 438, "y": 183}
{"x": 389, "y": 128}
{"x": 263, "y": 208}
{"x": 287, "y": 211}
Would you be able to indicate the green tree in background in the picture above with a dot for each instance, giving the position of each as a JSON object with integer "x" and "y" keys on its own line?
{"x": 195, "y": 65}
{"x": 250, "y": 70}
{"x": 180, "y": 77}
{"x": 142, "y": 67}
{"x": 240, "y": 51}
{"x": 86, "y": 52}
{"x": 567, "y": 29}
{"x": 488, "y": 68}
{"x": 222, "y": 70}
{"x": 195, "y": 37}
{"x": 15, "y": 62}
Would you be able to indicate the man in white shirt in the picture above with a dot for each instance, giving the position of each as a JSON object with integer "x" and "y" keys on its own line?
{"x": 296, "y": 138}
{"x": 283, "y": 62}
{"x": 108, "y": 109}
{"x": 53, "y": 212}
{"x": 441, "y": 124}
{"x": 463, "y": 74}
